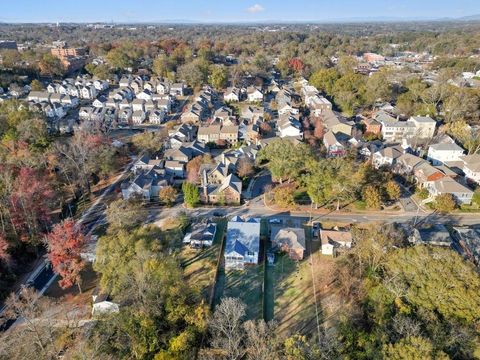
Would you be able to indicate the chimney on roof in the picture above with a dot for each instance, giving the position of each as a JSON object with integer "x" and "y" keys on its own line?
{"x": 205, "y": 184}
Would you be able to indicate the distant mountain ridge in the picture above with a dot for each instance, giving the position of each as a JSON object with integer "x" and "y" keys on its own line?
{"x": 359, "y": 19}
{"x": 470, "y": 17}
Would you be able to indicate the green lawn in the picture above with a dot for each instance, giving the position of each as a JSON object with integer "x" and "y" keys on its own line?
{"x": 199, "y": 265}
{"x": 247, "y": 286}
{"x": 289, "y": 294}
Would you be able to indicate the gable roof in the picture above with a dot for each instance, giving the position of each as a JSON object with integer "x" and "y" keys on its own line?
{"x": 331, "y": 138}
{"x": 472, "y": 162}
{"x": 447, "y": 185}
{"x": 243, "y": 236}
{"x": 383, "y": 117}
{"x": 423, "y": 119}
{"x": 332, "y": 237}
{"x": 391, "y": 152}
{"x": 410, "y": 160}
{"x": 446, "y": 146}
{"x": 436, "y": 234}
{"x": 293, "y": 238}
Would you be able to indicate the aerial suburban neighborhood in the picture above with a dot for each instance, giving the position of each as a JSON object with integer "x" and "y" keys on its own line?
{"x": 243, "y": 188}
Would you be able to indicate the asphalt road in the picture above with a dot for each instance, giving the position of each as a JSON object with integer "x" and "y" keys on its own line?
{"x": 260, "y": 183}
{"x": 256, "y": 208}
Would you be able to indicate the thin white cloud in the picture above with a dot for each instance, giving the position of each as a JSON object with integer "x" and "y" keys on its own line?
{"x": 255, "y": 9}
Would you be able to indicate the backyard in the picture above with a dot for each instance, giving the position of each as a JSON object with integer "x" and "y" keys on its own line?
{"x": 295, "y": 292}
{"x": 199, "y": 265}
{"x": 246, "y": 285}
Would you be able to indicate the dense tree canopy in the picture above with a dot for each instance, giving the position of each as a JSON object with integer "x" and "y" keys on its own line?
{"x": 161, "y": 316}
{"x": 419, "y": 302}
{"x": 286, "y": 160}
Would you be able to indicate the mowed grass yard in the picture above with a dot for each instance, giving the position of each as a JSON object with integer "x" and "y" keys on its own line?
{"x": 247, "y": 286}
{"x": 290, "y": 290}
{"x": 199, "y": 265}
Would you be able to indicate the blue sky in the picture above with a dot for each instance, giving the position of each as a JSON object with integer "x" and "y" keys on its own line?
{"x": 228, "y": 10}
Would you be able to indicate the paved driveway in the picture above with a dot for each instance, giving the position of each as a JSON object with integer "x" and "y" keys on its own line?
{"x": 260, "y": 183}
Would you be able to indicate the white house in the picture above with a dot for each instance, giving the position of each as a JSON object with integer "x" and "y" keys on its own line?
{"x": 88, "y": 92}
{"x": 202, "y": 234}
{"x": 242, "y": 243}
{"x": 52, "y": 88}
{"x": 447, "y": 185}
{"x": 39, "y": 96}
{"x": 138, "y": 116}
{"x": 288, "y": 126}
{"x": 333, "y": 240}
{"x": 441, "y": 153}
{"x": 101, "y": 85}
{"x": 318, "y": 105}
{"x": 99, "y": 103}
{"x": 72, "y": 91}
{"x": 424, "y": 126}
{"x": 175, "y": 168}
{"x": 125, "y": 115}
{"x": 145, "y": 95}
{"x": 397, "y": 130}
{"x": 386, "y": 156}
{"x": 394, "y": 130}
{"x": 156, "y": 116}
{"x": 138, "y": 104}
{"x": 287, "y": 108}
{"x": 63, "y": 88}
{"x": 254, "y": 94}
{"x": 163, "y": 88}
{"x": 471, "y": 167}
{"x": 232, "y": 94}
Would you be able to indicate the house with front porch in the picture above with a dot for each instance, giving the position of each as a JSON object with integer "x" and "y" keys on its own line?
{"x": 242, "y": 245}
{"x": 447, "y": 185}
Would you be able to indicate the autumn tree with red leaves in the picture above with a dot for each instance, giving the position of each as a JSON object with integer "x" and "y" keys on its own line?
{"x": 265, "y": 128}
{"x": 4, "y": 254}
{"x": 65, "y": 243}
{"x": 319, "y": 130}
{"x": 296, "y": 64}
{"x": 193, "y": 167}
{"x": 30, "y": 204}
